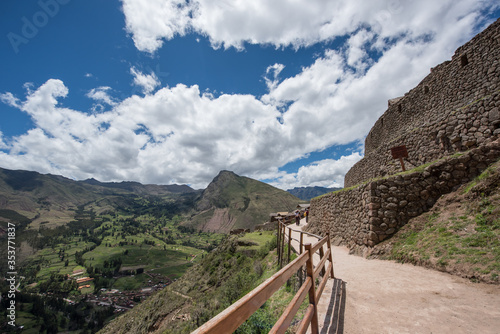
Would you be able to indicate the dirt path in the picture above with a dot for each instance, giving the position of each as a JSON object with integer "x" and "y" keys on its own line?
{"x": 375, "y": 296}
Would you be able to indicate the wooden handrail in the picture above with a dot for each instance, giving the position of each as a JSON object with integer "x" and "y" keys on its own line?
{"x": 231, "y": 318}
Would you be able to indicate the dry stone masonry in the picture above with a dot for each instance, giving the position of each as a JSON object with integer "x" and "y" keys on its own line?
{"x": 372, "y": 212}
{"x": 455, "y": 108}
{"x": 452, "y": 118}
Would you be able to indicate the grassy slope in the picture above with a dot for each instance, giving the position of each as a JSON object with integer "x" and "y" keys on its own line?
{"x": 460, "y": 235}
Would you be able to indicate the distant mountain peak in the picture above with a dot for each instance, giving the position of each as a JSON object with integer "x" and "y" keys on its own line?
{"x": 307, "y": 193}
{"x": 232, "y": 201}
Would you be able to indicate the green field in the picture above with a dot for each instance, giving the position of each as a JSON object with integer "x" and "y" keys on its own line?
{"x": 122, "y": 243}
{"x": 121, "y": 250}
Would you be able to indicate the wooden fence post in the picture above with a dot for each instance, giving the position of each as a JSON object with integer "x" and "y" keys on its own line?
{"x": 278, "y": 245}
{"x": 321, "y": 254}
{"x": 330, "y": 258}
{"x": 312, "y": 290}
{"x": 282, "y": 244}
{"x": 301, "y": 246}
{"x": 289, "y": 244}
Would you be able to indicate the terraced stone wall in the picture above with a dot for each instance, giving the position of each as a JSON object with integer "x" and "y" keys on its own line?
{"x": 372, "y": 212}
{"x": 455, "y": 108}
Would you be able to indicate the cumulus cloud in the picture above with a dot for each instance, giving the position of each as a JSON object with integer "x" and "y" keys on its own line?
{"x": 327, "y": 173}
{"x": 284, "y": 23}
{"x": 181, "y": 135}
{"x": 152, "y": 21}
{"x": 177, "y": 134}
{"x": 147, "y": 82}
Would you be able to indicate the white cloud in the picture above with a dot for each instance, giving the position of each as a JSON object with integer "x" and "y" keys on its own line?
{"x": 274, "y": 71}
{"x": 176, "y": 135}
{"x": 147, "y": 82}
{"x": 100, "y": 94}
{"x": 285, "y": 23}
{"x": 182, "y": 135}
{"x": 357, "y": 55}
{"x": 3, "y": 145}
{"x": 327, "y": 173}
{"x": 152, "y": 21}
{"x": 9, "y": 99}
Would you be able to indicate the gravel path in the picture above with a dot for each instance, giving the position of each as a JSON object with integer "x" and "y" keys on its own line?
{"x": 376, "y": 296}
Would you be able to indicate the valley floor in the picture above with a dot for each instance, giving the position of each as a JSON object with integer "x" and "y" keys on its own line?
{"x": 388, "y": 297}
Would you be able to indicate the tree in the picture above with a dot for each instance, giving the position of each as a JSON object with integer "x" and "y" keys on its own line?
{"x": 63, "y": 322}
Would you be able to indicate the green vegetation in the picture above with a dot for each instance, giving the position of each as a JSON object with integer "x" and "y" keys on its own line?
{"x": 117, "y": 249}
{"x": 484, "y": 175}
{"x": 221, "y": 278}
{"x": 113, "y": 244}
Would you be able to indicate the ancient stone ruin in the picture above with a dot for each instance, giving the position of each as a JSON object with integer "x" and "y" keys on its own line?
{"x": 452, "y": 118}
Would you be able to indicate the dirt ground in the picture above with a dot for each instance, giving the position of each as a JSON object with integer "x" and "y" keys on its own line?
{"x": 378, "y": 296}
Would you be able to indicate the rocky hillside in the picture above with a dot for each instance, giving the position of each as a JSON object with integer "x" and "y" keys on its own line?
{"x": 231, "y": 202}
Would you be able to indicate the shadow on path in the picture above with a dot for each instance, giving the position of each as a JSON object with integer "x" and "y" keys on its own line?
{"x": 334, "y": 317}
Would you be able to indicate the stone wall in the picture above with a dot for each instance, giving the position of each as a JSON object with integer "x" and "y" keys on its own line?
{"x": 455, "y": 108}
{"x": 343, "y": 214}
{"x": 372, "y": 212}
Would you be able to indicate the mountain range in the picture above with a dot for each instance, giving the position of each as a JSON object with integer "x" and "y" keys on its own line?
{"x": 307, "y": 193}
{"x": 230, "y": 201}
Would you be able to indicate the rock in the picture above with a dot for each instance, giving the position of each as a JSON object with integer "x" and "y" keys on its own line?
{"x": 391, "y": 206}
{"x": 372, "y": 236}
{"x": 390, "y": 214}
{"x": 390, "y": 231}
{"x": 424, "y": 194}
{"x": 494, "y": 115}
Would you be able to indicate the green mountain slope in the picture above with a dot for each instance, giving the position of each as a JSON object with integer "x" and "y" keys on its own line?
{"x": 232, "y": 202}
{"x": 53, "y": 200}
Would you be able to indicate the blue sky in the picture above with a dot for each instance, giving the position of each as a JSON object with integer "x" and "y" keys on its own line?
{"x": 173, "y": 91}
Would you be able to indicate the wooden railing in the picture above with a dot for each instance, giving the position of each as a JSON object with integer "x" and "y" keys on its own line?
{"x": 231, "y": 318}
